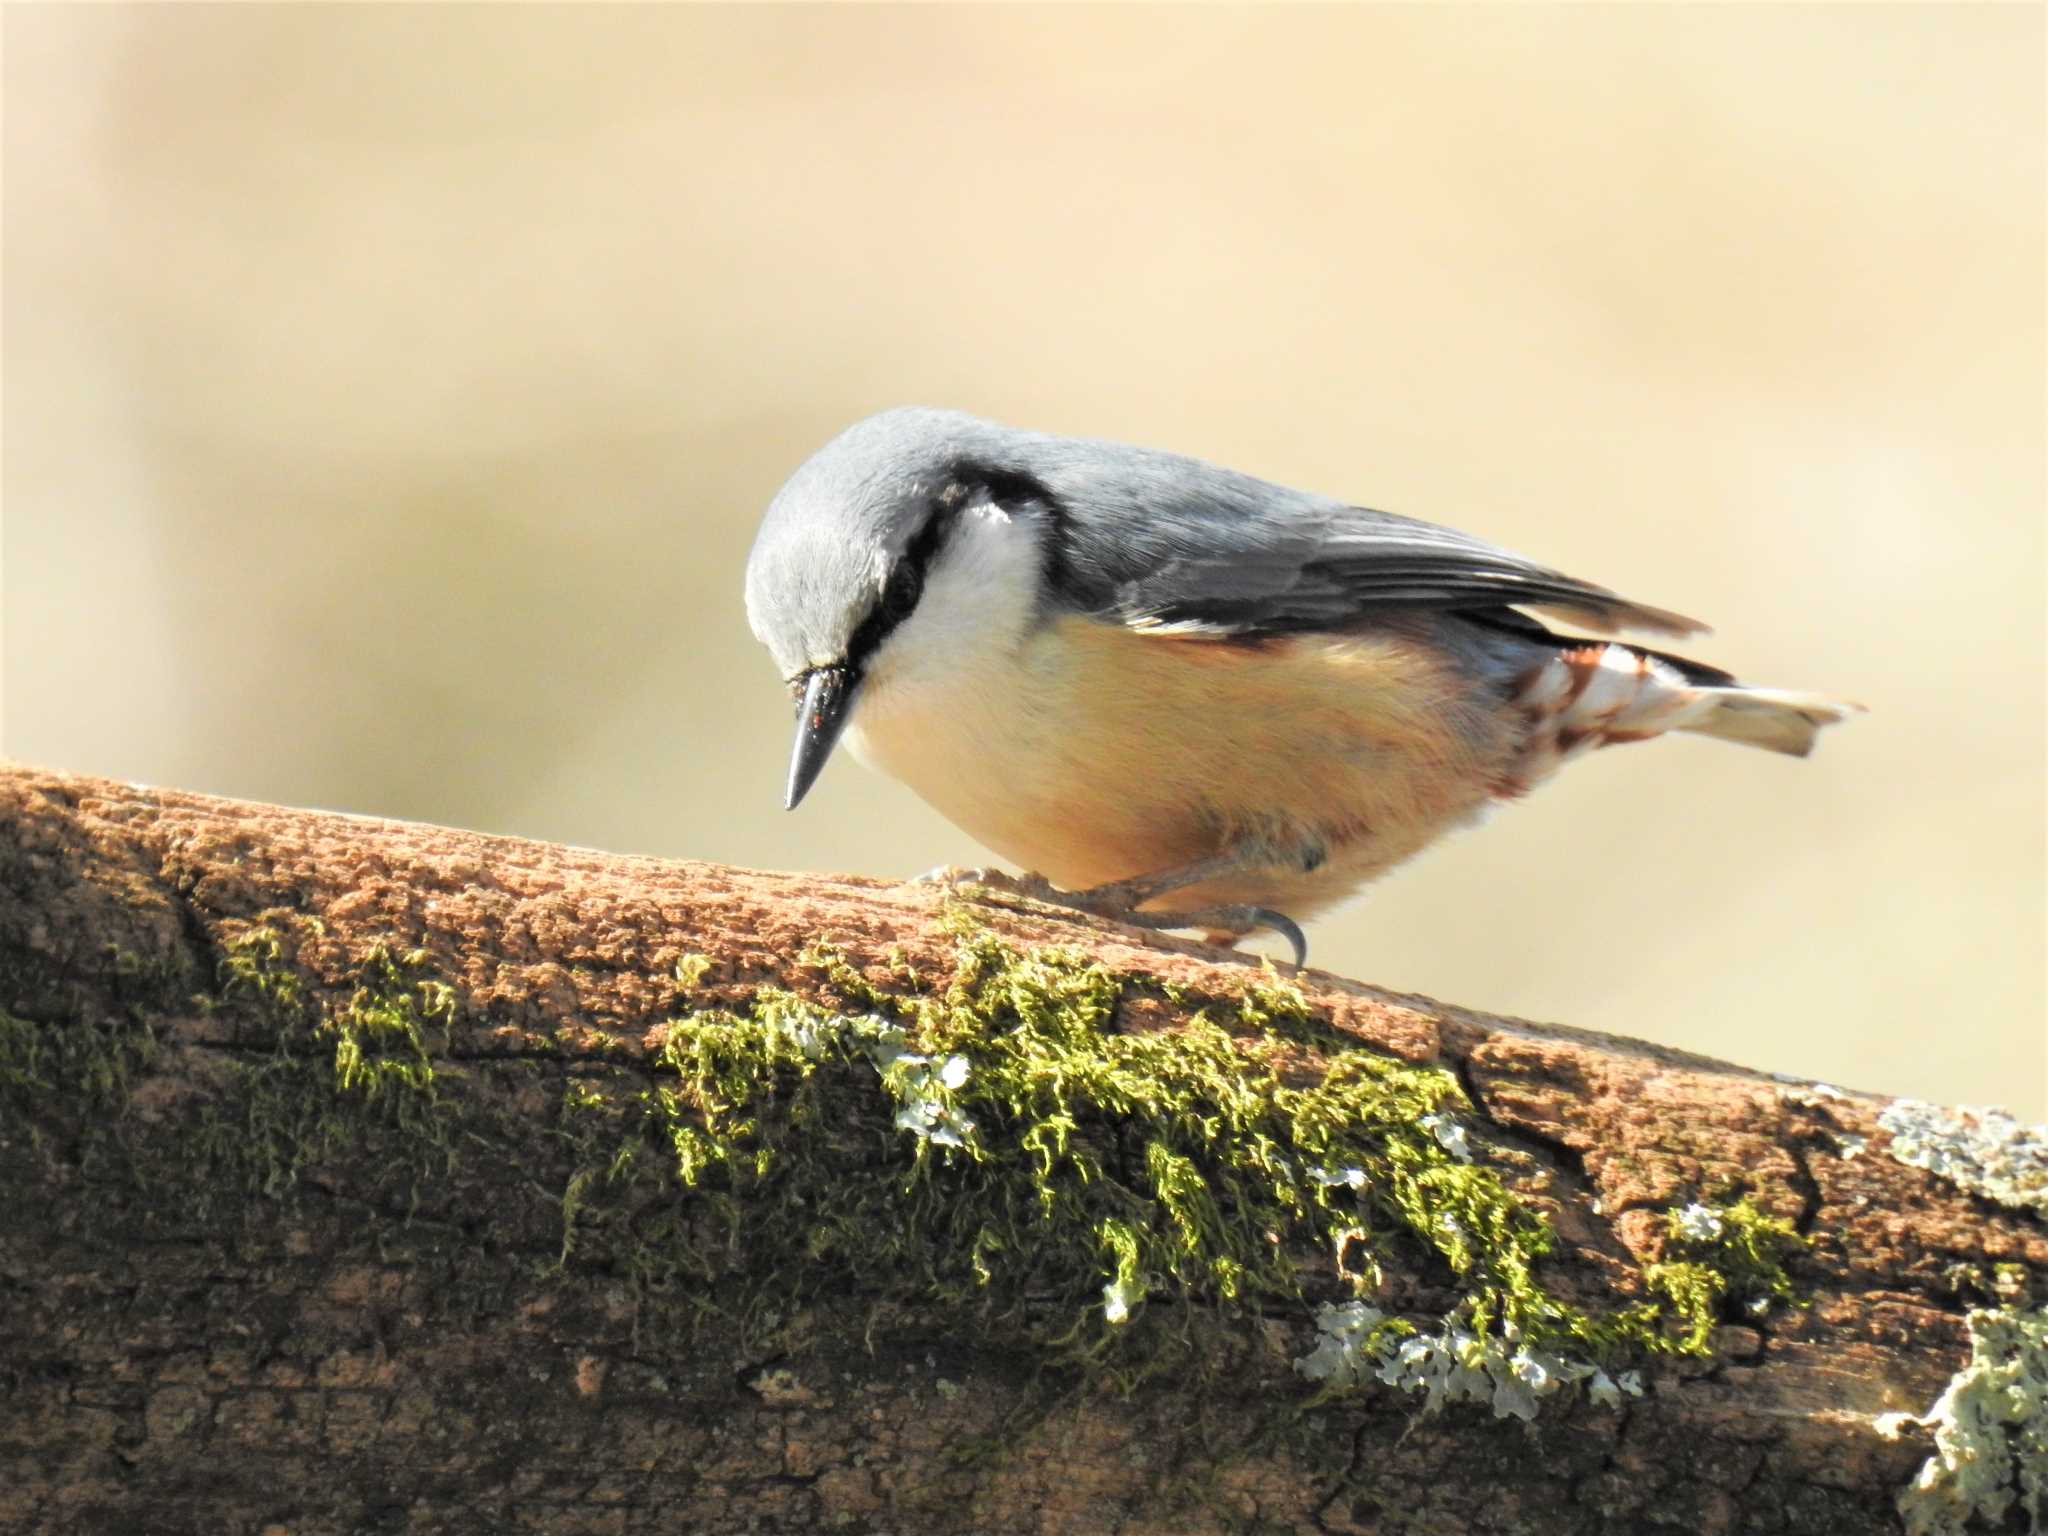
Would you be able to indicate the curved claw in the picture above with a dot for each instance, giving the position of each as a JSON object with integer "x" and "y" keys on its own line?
{"x": 1287, "y": 928}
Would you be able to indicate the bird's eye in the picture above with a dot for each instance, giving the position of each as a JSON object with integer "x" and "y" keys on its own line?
{"x": 904, "y": 588}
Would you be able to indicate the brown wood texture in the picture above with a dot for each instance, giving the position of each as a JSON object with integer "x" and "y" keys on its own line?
{"x": 348, "y": 1352}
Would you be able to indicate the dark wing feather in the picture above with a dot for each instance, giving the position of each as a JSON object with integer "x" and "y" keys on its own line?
{"x": 1159, "y": 541}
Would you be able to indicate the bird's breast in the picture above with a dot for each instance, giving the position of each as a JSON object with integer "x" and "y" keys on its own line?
{"x": 1092, "y": 752}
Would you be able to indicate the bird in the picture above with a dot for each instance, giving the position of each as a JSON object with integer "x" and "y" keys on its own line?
{"x": 1181, "y": 696}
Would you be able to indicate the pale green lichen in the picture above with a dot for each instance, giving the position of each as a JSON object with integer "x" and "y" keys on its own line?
{"x": 1721, "y": 1255}
{"x": 1990, "y": 1432}
{"x": 1697, "y": 1224}
{"x": 1809, "y": 1095}
{"x": 1450, "y": 1134}
{"x": 1452, "y": 1364}
{"x": 1985, "y": 1152}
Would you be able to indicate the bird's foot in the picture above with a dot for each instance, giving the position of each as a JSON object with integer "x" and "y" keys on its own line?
{"x": 1221, "y": 926}
{"x": 1119, "y": 900}
{"x": 954, "y": 877}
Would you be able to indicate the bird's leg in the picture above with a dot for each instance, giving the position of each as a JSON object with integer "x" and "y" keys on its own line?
{"x": 1124, "y": 895}
{"x": 1119, "y": 900}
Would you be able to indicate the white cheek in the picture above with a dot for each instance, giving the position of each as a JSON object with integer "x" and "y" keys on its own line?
{"x": 980, "y": 600}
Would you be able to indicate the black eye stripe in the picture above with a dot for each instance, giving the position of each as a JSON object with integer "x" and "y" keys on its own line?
{"x": 906, "y": 582}
{"x": 904, "y": 588}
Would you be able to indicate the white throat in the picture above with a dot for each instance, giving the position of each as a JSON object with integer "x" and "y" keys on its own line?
{"x": 953, "y": 701}
{"x": 980, "y": 600}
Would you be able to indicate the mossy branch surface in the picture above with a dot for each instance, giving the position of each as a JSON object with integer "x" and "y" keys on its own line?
{"x": 989, "y": 1140}
{"x": 563, "y": 1192}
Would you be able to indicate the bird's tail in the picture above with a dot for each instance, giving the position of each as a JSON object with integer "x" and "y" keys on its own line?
{"x": 1775, "y": 719}
{"x": 1597, "y": 694}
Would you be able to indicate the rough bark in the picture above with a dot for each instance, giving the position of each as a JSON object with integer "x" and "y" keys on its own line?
{"x": 330, "y": 1334}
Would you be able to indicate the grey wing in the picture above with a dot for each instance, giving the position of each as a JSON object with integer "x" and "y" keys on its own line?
{"x": 1156, "y": 546}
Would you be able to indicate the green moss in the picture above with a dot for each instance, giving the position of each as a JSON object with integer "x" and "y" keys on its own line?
{"x": 88, "y": 1066}
{"x": 254, "y": 964}
{"x": 1022, "y": 1146}
{"x": 94, "y": 1062}
{"x": 318, "y": 1079}
{"x": 995, "y": 1144}
{"x": 1727, "y": 1255}
{"x": 381, "y": 1036}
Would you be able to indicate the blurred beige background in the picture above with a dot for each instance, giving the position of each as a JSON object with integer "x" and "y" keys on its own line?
{"x": 390, "y": 394}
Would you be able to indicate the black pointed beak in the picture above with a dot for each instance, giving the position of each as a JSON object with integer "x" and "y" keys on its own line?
{"x": 820, "y": 717}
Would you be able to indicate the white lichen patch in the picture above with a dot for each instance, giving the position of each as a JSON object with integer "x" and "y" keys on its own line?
{"x": 1356, "y": 1342}
{"x": 922, "y": 1086}
{"x": 1990, "y": 1432}
{"x": 1119, "y": 1297}
{"x": 1347, "y": 1337}
{"x": 1698, "y": 1223}
{"x": 1983, "y": 1151}
{"x": 1331, "y": 1178}
{"x": 1809, "y": 1095}
{"x": 1450, "y": 1135}
{"x": 1816, "y": 1096}
{"x": 810, "y": 1031}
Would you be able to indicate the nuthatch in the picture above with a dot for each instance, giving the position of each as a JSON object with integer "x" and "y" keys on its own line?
{"x": 1165, "y": 685}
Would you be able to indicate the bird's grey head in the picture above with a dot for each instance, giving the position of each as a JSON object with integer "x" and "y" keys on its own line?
{"x": 842, "y": 556}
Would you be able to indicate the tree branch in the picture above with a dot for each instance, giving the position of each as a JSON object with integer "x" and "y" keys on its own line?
{"x": 363, "y": 1175}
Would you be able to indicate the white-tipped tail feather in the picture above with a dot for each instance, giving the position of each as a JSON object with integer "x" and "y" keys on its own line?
{"x": 1771, "y": 718}
{"x": 1597, "y": 694}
